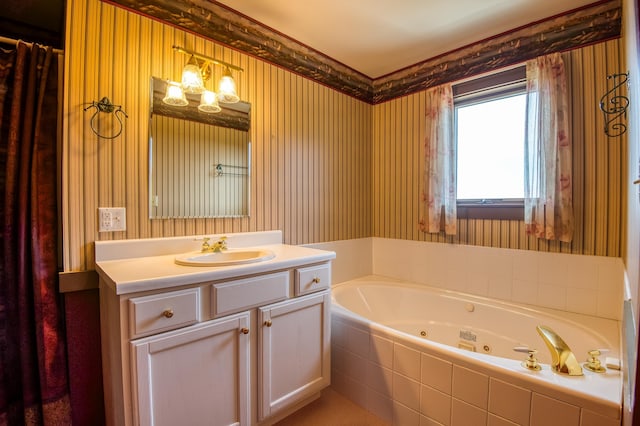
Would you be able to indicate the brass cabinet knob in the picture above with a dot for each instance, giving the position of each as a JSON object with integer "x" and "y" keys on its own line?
{"x": 268, "y": 323}
{"x": 316, "y": 280}
{"x": 244, "y": 330}
{"x": 167, "y": 313}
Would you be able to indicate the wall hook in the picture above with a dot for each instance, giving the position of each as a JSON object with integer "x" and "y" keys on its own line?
{"x": 105, "y": 105}
{"x": 614, "y": 106}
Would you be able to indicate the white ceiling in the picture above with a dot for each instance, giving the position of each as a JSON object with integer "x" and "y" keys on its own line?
{"x": 377, "y": 37}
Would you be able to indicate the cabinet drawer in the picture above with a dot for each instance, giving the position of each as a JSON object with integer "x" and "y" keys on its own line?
{"x": 312, "y": 278}
{"x": 162, "y": 312}
{"x": 238, "y": 295}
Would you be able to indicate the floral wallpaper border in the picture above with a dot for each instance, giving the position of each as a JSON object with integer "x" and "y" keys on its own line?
{"x": 592, "y": 24}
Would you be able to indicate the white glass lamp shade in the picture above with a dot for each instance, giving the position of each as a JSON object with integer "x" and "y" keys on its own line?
{"x": 209, "y": 102}
{"x": 227, "y": 89}
{"x": 192, "y": 77}
{"x": 175, "y": 96}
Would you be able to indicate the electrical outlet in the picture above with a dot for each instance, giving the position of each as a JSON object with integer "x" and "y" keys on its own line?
{"x": 112, "y": 219}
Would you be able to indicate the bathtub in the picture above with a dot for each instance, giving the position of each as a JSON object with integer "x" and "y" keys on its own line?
{"x": 413, "y": 354}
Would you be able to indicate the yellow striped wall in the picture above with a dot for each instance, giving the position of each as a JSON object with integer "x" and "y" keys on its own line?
{"x": 324, "y": 166}
{"x": 310, "y": 145}
{"x": 599, "y": 166}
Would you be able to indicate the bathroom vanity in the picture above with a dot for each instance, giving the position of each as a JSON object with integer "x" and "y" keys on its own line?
{"x": 237, "y": 344}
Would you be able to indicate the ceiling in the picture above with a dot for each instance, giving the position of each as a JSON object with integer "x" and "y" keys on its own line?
{"x": 40, "y": 21}
{"x": 377, "y": 37}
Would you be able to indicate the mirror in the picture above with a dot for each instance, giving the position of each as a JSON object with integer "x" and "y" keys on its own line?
{"x": 198, "y": 163}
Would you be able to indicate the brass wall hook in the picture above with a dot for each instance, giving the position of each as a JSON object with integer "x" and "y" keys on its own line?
{"x": 105, "y": 105}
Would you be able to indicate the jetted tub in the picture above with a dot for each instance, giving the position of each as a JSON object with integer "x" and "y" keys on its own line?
{"x": 406, "y": 351}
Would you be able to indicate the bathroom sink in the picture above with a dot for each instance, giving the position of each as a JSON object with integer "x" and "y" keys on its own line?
{"x": 224, "y": 258}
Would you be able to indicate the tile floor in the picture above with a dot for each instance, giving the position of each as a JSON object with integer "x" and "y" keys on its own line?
{"x": 332, "y": 409}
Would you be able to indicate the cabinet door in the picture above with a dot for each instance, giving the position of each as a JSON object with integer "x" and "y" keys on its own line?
{"x": 194, "y": 376}
{"x": 294, "y": 352}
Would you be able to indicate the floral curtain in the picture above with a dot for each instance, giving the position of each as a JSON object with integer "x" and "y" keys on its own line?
{"x": 33, "y": 364}
{"x": 439, "y": 186}
{"x": 548, "y": 179}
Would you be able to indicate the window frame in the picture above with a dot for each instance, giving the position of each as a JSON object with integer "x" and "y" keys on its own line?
{"x": 478, "y": 90}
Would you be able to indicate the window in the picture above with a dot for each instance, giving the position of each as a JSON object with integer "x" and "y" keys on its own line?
{"x": 490, "y": 130}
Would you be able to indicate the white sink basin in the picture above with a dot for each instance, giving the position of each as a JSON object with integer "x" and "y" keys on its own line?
{"x": 224, "y": 258}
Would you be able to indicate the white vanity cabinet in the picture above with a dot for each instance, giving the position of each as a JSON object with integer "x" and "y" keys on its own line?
{"x": 221, "y": 346}
{"x": 293, "y": 351}
{"x": 195, "y": 376}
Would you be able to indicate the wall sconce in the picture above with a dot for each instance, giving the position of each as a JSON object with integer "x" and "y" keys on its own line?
{"x": 198, "y": 70}
{"x": 175, "y": 95}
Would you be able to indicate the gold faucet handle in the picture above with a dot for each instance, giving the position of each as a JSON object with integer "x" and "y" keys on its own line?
{"x": 530, "y": 363}
{"x": 593, "y": 362}
{"x": 205, "y": 243}
{"x": 221, "y": 244}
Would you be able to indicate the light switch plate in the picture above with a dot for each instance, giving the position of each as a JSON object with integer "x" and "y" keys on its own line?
{"x": 112, "y": 219}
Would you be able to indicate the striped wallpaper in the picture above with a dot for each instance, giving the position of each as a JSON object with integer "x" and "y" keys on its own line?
{"x": 310, "y": 145}
{"x": 599, "y": 165}
{"x": 325, "y": 166}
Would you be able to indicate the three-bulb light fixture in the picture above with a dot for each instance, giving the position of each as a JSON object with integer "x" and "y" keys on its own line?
{"x": 195, "y": 73}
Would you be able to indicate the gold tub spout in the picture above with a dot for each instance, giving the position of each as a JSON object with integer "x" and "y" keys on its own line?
{"x": 562, "y": 359}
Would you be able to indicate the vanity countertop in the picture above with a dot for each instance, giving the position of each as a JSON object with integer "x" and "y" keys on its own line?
{"x": 136, "y": 274}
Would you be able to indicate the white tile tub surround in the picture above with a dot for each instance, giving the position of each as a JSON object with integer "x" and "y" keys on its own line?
{"x": 353, "y": 258}
{"x": 591, "y": 285}
{"x": 405, "y": 383}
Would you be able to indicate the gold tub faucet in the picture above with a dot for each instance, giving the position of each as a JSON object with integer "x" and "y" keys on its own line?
{"x": 562, "y": 359}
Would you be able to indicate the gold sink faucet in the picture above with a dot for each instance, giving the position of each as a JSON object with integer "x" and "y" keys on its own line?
{"x": 562, "y": 359}
{"x": 217, "y": 247}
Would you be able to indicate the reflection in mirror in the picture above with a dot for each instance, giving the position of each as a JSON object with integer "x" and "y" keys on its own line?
{"x": 198, "y": 162}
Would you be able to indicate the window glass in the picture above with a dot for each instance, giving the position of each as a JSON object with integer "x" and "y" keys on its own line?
{"x": 490, "y": 116}
{"x": 490, "y": 138}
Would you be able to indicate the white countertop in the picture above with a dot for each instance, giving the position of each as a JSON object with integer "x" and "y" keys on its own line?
{"x": 137, "y": 274}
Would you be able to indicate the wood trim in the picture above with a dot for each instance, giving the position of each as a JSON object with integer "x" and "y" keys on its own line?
{"x": 594, "y": 23}
{"x": 234, "y": 116}
{"x": 77, "y": 281}
{"x": 490, "y": 212}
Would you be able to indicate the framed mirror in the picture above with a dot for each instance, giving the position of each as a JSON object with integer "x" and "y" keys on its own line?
{"x": 199, "y": 162}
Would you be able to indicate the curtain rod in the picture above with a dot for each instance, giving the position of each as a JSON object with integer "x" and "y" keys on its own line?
{"x": 8, "y": 40}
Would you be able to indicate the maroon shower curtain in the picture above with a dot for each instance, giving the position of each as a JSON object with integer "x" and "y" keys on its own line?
{"x": 33, "y": 369}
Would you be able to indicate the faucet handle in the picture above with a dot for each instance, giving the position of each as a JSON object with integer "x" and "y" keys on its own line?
{"x": 593, "y": 362}
{"x": 531, "y": 363}
{"x": 205, "y": 243}
{"x": 222, "y": 242}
